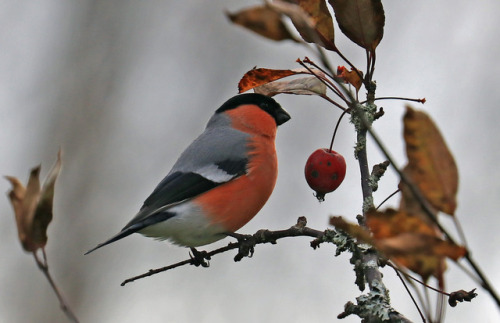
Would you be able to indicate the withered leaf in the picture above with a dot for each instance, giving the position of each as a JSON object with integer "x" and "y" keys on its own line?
{"x": 33, "y": 206}
{"x": 323, "y": 22}
{"x": 263, "y": 21}
{"x": 430, "y": 163}
{"x": 305, "y": 25}
{"x": 411, "y": 242}
{"x": 362, "y": 21}
{"x": 351, "y": 77}
{"x": 259, "y": 76}
{"x": 302, "y": 86}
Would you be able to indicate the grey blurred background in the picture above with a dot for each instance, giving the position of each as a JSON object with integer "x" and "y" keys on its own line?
{"x": 124, "y": 86}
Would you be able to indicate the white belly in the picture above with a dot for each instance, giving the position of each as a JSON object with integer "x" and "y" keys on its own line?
{"x": 188, "y": 227}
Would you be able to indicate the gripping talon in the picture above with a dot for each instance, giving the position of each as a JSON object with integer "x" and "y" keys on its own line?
{"x": 199, "y": 258}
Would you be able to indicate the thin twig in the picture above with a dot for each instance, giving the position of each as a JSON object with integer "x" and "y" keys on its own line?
{"x": 428, "y": 301}
{"x": 43, "y": 265}
{"x": 398, "y": 98}
{"x": 409, "y": 293}
{"x": 368, "y": 62}
{"x": 484, "y": 281}
{"x": 330, "y": 85}
{"x": 417, "y": 280}
{"x": 323, "y": 58}
{"x": 468, "y": 272}
{"x": 333, "y": 102}
{"x": 387, "y": 198}
{"x": 348, "y": 62}
{"x": 460, "y": 231}
{"x": 332, "y": 76}
{"x": 373, "y": 59}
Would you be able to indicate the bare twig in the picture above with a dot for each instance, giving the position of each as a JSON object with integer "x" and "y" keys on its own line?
{"x": 244, "y": 245}
{"x": 332, "y": 102}
{"x": 387, "y": 198}
{"x": 44, "y": 267}
{"x": 328, "y": 84}
{"x": 411, "y": 295}
{"x": 460, "y": 231}
{"x": 417, "y": 280}
{"x": 398, "y": 98}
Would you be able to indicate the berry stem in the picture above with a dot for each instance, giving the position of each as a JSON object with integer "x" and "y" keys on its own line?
{"x": 422, "y": 100}
{"x": 336, "y": 127}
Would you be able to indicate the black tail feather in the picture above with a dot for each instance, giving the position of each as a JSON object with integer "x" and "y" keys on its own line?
{"x": 124, "y": 233}
{"x": 132, "y": 227}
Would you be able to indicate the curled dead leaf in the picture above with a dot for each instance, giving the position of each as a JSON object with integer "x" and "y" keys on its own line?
{"x": 302, "y": 86}
{"x": 258, "y": 77}
{"x": 411, "y": 242}
{"x": 33, "y": 206}
{"x": 351, "y": 77}
{"x": 323, "y": 22}
{"x": 305, "y": 24}
{"x": 264, "y": 21}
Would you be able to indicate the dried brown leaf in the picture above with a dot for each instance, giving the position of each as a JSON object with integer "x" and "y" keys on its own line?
{"x": 43, "y": 214}
{"x": 430, "y": 163}
{"x": 33, "y": 206}
{"x": 305, "y": 25}
{"x": 302, "y": 86}
{"x": 263, "y": 21}
{"x": 259, "y": 76}
{"x": 362, "y": 21}
{"x": 323, "y": 22}
{"x": 411, "y": 242}
{"x": 351, "y": 77}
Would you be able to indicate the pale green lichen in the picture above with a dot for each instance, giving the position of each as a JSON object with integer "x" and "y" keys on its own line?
{"x": 366, "y": 112}
{"x": 360, "y": 145}
{"x": 375, "y": 304}
{"x": 343, "y": 241}
{"x": 373, "y": 182}
{"x": 367, "y": 204}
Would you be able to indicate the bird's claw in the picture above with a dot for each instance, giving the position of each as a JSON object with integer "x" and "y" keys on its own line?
{"x": 199, "y": 258}
{"x": 246, "y": 245}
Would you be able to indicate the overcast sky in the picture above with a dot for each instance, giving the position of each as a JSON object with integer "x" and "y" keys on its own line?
{"x": 124, "y": 86}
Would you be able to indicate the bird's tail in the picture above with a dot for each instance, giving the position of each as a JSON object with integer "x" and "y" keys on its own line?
{"x": 134, "y": 226}
{"x": 124, "y": 233}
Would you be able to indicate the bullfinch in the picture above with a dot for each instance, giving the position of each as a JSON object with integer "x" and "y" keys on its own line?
{"x": 220, "y": 182}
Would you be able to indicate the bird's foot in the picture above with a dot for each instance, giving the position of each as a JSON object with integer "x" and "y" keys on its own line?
{"x": 199, "y": 258}
{"x": 246, "y": 242}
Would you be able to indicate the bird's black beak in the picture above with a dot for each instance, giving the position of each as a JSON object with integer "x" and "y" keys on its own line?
{"x": 281, "y": 117}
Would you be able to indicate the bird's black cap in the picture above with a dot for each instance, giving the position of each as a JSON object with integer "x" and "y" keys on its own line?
{"x": 265, "y": 102}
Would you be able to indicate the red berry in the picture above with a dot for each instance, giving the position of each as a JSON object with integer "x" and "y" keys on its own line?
{"x": 325, "y": 171}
